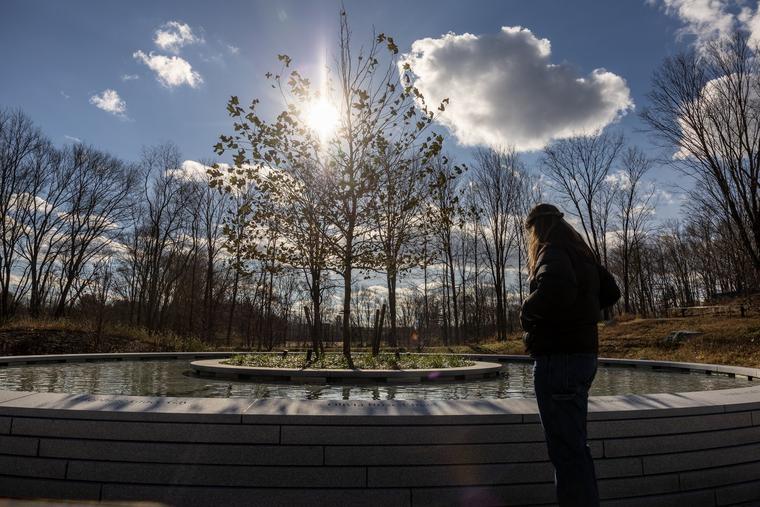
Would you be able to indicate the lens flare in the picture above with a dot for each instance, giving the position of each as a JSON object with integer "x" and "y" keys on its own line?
{"x": 322, "y": 118}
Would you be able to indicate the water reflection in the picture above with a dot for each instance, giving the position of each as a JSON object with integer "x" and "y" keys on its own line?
{"x": 173, "y": 378}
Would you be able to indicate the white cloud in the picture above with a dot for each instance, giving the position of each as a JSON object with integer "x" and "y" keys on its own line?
{"x": 619, "y": 179}
{"x": 710, "y": 105}
{"x": 73, "y": 139}
{"x": 65, "y": 95}
{"x": 129, "y": 77}
{"x": 192, "y": 171}
{"x": 173, "y": 35}
{"x": 110, "y": 102}
{"x": 171, "y": 71}
{"x": 232, "y": 49}
{"x": 504, "y": 90}
{"x": 707, "y": 20}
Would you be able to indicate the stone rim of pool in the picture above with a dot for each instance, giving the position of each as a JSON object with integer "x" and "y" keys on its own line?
{"x": 630, "y": 404}
{"x": 662, "y": 449}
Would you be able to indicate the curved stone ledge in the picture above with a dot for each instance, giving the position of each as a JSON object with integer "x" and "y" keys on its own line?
{"x": 659, "y": 449}
{"x": 215, "y": 367}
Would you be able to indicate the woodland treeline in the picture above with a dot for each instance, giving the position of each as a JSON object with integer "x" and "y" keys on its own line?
{"x": 289, "y": 237}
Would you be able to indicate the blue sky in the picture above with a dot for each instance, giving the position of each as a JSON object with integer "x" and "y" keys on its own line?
{"x": 56, "y": 56}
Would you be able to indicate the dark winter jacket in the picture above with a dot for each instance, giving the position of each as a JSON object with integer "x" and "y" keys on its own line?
{"x": 567, "y": 293}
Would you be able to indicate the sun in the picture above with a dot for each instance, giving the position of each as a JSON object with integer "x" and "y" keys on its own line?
{"x": 322, "y": 118}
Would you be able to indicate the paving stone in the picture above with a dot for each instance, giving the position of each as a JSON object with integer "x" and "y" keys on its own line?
{"x": 182, "y": 453}
{"x": 617, "y": 467}
{"x": 720, "y": 476}
{"x": 700, "y": 459}
{"x": 24, "y": 466}
{"x": 125, "y": 408}
{"x": 485, "y": 496}
{"x": 636, "y": 486}
{"x": 146, "y": 431}
{"x": 384, "y": 435}
{"x": 265, "y": 497}
{"x": 18, "y": 445}
{"x": 388, "y": 412}
{"x": 669, "y": 425}
{"x": 5, "y": 425}
{"x": 435, "y": 454}
{"x": 459, "y": 475}
{"x": 218, "y": 475}
{"x": 692, "y": 499}
{"x": 746, "y": 494}
{"x": 12, "y": 395}
{"x": 19, "y": 487}
{"x": 680, "y": 443}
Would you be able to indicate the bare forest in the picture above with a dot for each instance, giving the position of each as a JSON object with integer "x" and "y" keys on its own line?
{"x": 375, "y": 236}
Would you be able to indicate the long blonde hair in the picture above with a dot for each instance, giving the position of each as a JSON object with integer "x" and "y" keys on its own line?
{"x": 551, "y": 229}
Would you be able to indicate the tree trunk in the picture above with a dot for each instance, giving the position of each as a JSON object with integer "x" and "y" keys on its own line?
{"x": 316, "y": 319}
{"x": 232, "y": 306}
{"x": 347, "y": 315}
{"x": 392, "y": 335}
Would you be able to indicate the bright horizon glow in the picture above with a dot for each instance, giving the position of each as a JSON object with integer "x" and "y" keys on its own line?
{"x": 322, "y": 117}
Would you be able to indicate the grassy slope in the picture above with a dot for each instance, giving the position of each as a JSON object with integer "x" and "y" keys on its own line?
{"x": 727, "y": 340}
{"x": 27, "y": 336}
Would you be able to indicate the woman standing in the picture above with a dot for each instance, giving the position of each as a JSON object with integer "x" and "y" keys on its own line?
{"x": 568, "y": 289}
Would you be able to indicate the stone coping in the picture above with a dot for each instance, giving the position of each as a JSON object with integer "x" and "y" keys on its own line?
{"x": 241, "y": 410}
{"x": 479, "y": 370}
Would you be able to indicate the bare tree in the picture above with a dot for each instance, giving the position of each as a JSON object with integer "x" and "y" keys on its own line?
{"x": 19, "y": 138}
{"x": 707, "y": 107}
{"x": 497, "y": 176}
{"x": 398, "y": 219}
{"x": 634, "y": 207}
{"x": 97, "y": 203}
{"x": 164, "y": 197}
{"x": 577, "y": 169}
{"x": 43, "y": 218}
{"x": 445, "y": 213}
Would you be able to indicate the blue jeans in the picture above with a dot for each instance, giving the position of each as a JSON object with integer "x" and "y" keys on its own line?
{"x": 562, "y": 382}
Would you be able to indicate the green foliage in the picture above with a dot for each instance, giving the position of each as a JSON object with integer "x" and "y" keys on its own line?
{"x": 365, "y": 361}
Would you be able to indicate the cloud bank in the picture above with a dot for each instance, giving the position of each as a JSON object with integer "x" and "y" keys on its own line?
{"x": 171, "y": 71}
{"x": 505, "y": 91}
{"x": 708, "y": 20}
{"x": 173, "y": 35}
{"x": 108, "y": 100}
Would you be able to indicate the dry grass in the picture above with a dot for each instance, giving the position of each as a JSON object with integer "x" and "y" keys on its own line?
{"x": 724, "y": 340}
{"x": 68, "y": 336}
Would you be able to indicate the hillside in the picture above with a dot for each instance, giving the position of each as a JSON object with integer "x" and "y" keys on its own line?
{"x": 721, "y": 339}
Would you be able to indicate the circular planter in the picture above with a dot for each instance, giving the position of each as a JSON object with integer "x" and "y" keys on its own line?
{"x": 216, "y": 368}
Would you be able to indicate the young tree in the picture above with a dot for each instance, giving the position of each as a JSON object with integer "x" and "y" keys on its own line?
{"x": 373, "y": 110}
{"x": 398, "y": 220}
{"x": 445, "y": 213}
